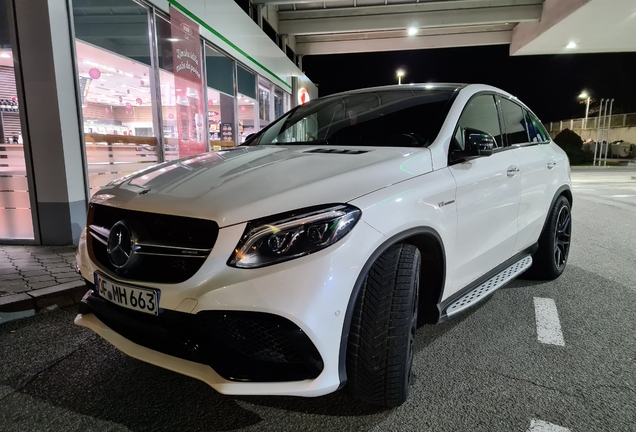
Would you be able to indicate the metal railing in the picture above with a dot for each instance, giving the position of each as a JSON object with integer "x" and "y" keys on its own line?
{"x": 603, "y": 131}
{"x": 615, "y": 121}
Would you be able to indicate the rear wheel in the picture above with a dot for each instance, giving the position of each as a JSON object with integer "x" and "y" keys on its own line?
{"x": 381, "y": 338}
{"x": 554, "y": 244}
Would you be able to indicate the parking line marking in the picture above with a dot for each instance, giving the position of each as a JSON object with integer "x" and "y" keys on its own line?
{"x": 548, "y": 325}
{"x": 544, "y": 426}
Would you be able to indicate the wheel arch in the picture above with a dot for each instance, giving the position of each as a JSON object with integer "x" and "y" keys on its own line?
{"x": 562, "y": 191}
{"x": 431, "y": 247}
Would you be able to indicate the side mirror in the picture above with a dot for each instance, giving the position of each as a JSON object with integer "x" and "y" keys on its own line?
{"x": 478, "y": 144}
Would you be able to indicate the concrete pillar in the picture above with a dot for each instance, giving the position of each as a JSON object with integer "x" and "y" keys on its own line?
{"x": 53, "y": 119}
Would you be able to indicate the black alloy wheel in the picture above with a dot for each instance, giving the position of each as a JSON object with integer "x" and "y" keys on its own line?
{"x": 551, "y": 258}
{"x": 562, "y": 237}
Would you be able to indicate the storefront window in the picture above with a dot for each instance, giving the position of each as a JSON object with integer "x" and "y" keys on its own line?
{"x": 266, "y": 101}
{"x": 263, "y": 106}
{"x": 113, "y": 60}
{"x": 221, "y": 102}
{"x": 279, "y": 108}
{"x": 16, "y": 222}
{"x": 182, "y": 94}
{"x": 248, "y": 115}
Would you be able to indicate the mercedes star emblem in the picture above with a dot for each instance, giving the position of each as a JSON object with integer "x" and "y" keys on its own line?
{"x": 121, "y": 242}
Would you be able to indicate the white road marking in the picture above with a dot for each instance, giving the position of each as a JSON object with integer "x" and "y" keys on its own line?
{"x": 548, "y": 325}
{"x": 544, "y": 426}
{"x": 622, "y": 196}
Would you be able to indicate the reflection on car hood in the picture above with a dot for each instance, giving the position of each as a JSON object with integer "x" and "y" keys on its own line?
{"x": 251, "y": 182}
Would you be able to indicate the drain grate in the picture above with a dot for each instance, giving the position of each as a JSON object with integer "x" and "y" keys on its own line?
{"x": 489, "y": 286}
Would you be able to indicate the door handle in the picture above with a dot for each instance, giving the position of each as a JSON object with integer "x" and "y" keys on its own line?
{"x": 512, "y": 171}
{"x": 551, "y": 164}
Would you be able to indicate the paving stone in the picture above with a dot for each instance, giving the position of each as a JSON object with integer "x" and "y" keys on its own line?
{"x": 31, "y": 268}
{"x": 9, "y": 277}
{"x": 69, "y": 279}
{"x": 58, "y": 270}
{"x": 41, "y": 278}
{"x": 66, "y": 274}
{"x": 53, "y": 263}
{"x": 34, "y": 273}
{"x": 38, "y": 285}
{"x": 16, "y": 288}
{"x": 51, "y": 259}
{"x": 20, "y": 264}
{"x": 7, "y": 270}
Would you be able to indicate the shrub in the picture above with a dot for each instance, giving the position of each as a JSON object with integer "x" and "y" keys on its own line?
{"x": 572, "y": 144}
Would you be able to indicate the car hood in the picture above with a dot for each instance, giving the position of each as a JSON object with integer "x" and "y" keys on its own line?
{"x": 246, "y": 183}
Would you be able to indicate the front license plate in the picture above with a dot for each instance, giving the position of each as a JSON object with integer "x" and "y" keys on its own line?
{"x": 139, "y": 299}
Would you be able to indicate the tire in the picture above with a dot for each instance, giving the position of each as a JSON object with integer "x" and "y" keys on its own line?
{"x": 380, "y": 347}
{"x": 554, "y": 243}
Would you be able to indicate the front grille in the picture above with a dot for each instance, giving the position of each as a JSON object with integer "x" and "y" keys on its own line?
{"x": 239, "y": 346}
{"x": 171, "y": 248}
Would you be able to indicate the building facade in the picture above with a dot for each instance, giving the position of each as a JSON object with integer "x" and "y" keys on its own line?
{"x": 93, "y": 90}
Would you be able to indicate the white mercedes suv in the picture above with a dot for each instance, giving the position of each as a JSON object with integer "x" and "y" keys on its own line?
{"x": 304, "y": 260}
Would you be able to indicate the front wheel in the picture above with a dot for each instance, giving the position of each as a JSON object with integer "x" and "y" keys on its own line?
{"x": 554, "y": 244}
{"x": 381, "y": 338}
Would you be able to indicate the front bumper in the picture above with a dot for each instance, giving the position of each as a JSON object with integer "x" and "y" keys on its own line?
{"x": 308, "y": 298}
{"x": 239, "y": 346}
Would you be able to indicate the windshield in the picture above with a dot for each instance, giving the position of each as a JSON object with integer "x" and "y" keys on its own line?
{"x": 397, "y": 118}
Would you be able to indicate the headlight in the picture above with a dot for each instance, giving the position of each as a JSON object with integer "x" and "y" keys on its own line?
{"x": 285, "y": 237}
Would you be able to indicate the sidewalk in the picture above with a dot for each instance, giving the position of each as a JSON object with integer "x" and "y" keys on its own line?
{"x": 33, "y": 278}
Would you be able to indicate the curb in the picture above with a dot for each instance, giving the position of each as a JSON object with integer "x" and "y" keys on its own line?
{"x": 63, "y": 295}
{"x": 602, "y": 168}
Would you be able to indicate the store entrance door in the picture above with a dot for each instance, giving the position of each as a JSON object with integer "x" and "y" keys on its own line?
{"x": 16, "y": 221}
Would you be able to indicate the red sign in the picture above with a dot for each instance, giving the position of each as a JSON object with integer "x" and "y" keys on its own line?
{"x": 188, "y": 83}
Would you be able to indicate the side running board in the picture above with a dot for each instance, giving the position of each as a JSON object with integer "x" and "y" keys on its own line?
{"x": 488, "y": 287}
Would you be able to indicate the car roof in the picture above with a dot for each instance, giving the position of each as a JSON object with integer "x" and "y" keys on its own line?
{"x": 405, "y": 87}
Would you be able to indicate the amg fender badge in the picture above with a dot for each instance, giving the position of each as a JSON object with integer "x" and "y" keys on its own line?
{"x": 444, "y": 203}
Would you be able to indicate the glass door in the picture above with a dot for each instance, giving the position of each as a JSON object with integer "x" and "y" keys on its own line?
{"x": 16, "y": 221}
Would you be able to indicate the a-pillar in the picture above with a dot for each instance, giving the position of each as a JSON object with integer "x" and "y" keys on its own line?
{"x": 52, "y": 129}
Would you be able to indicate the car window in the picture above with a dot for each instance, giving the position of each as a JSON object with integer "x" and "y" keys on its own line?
{"x": 535, "y": 129}
{"x": 400, "y": 118}
{"x": 515, "y": 122}
{"x": 480, "y": 114}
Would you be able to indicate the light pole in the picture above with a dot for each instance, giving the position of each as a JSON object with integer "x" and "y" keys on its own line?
{"x": 400, "y": 74}
{"x": 585, "y": 96}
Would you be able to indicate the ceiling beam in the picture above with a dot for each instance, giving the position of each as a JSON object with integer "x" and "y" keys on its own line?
{"x": 404, "y": 43}
{"x": 393, "y": 18}
{"x": 286, "y": 2}
{"x": 424, "y": 6}
{"x": 438, "y": 31}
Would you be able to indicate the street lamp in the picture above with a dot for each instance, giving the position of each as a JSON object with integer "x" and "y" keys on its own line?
{"x": 585, "y": 96}
{"x": 400, "y": 74}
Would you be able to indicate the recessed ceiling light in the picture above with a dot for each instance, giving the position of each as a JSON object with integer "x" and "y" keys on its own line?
{"x": 571, "y": 45}
{"x": 412, "y": 31}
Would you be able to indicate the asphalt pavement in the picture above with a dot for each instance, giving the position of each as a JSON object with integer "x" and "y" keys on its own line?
{"x": 487, "y": 370}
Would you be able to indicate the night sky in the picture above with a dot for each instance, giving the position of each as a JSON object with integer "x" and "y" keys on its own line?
{"x": 548, "y": 84}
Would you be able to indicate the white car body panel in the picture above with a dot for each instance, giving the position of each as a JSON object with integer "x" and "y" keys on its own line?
{"x": 270, "y": 180}
{"x": 481, "y": 215}
{"x": 416, "y": 204}
{"x": 538, "y": 186}
{"x": 487, "y": 207}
